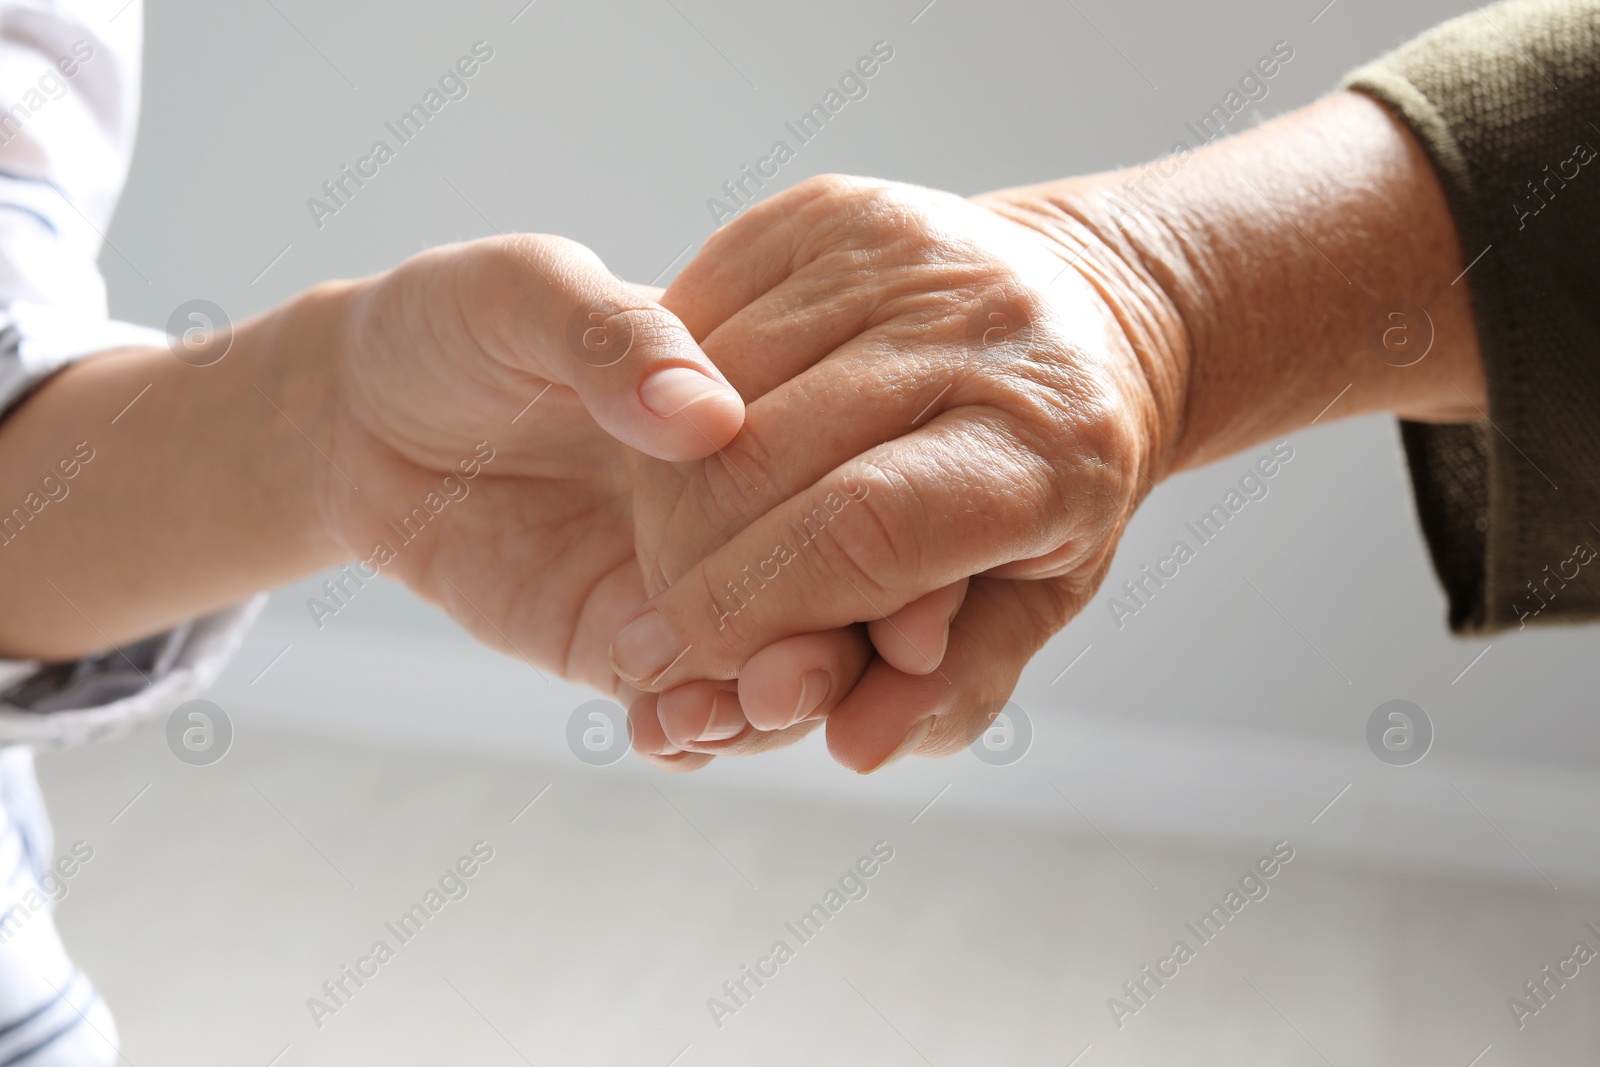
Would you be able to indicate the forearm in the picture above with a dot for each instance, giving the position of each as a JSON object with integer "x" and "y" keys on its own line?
{"x": 1270, "y": 265}
{"x": 199, "y": 492}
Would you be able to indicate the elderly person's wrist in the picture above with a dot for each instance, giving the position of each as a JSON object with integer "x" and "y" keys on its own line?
{"x": 1274, "y": 304}
{"x": 1081, "y": 222}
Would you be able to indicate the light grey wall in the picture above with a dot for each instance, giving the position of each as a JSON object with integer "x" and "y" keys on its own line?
{"x": 613, "y": 122}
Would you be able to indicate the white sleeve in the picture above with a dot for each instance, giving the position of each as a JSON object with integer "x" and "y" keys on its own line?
{"x": 69, "y": 109}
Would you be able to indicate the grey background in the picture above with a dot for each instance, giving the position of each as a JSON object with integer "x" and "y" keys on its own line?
{"x": 1171, "y": 754}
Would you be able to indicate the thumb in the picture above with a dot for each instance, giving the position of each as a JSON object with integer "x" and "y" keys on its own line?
{"x": 914, "y": 638}
{"x": 639, "y": 373}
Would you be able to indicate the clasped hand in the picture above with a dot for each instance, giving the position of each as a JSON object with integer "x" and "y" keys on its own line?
{"x": 869, "y": 451}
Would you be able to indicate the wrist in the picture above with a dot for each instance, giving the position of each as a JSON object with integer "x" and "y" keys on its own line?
{"x": 1285, "y": 261}
{"x": 1079, "y": 223}
{"x": 283, "y": 381}
{"x": 199, "y": 494}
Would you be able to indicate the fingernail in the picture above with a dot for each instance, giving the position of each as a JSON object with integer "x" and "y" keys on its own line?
{"x": 668, "y": 392}
{"x": 644, "y": 648}
{"x": 727, "y": 718}
{"x": 813, "y": 691}
{"x": 917, "y": 735}
{"x": 694, "y": 713}
{"x": 665, "y": 748}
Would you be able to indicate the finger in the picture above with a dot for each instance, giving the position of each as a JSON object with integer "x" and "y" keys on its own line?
{"x": 683, "y": 710}
{"x": 796, "y": 324}
{"x": 913, "y": 639}
{"x": 658, "y": 490}
{"x": 755, "y": 742}
{"x": 549, "y": 307}
{"x": 757, "y": 250}
{"x": 651, "y": 744}
{"x": 870, "y": 391}
{"x": 788, "y": 281}
{"x": 866, "y": 540}
{"x": 701, "y": 711}
{"x": 891, "y": 714}
{"x": 687, "y": 511}
{"x": 801, "y": 678}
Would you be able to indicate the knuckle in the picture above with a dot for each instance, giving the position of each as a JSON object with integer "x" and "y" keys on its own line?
{"x": 1007, "y": 323}
{"x": 651, "y": 329}
{"x": 887, "y": 220}
{"x": 601, "y": 335}
{"x": 953, "y": 730}
{"x": 745, "y": 479}
{"x": 729, "y": 627}
{"x": 1048, "y": 606}
{"x": 1105, "y": 445}
{"x": 494, "y": 272}
{"x": 1008, "y": 461}
{"x": 727, "y": 491}
{"x": 1075, "y": 439}
{"x": 543, "y": 249}
{"x": 872, "y": 544}
{"x": 829, "y": 187}
{"x": 869, "y": 211}
{"x": 505, "y": 260}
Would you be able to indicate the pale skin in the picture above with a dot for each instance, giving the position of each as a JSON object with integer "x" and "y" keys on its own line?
{"x": 227, "y": 479}
{"x": 987, "y": 486}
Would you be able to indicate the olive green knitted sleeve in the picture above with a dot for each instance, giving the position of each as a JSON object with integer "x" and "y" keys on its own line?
{"x": 1506, "y": 101}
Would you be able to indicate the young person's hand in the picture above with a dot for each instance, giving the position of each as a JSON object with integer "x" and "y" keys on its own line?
{"x": 482, "y": 397}
{"x": 453, "y": 423}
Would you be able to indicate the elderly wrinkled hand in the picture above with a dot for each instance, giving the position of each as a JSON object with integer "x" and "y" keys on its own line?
{"x": 953, "y": 409}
